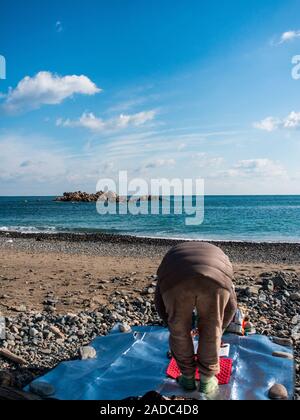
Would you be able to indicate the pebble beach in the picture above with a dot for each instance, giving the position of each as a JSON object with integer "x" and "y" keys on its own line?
{"x": 58, "y": 292}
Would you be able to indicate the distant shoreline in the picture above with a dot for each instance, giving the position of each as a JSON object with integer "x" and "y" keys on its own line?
{"x": 126, "y": 238}
{"x": 261, "y": 252}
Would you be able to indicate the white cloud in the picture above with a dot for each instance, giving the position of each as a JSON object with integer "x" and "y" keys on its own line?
{"x": 270, "y": 124}
{"x": 46, "y": 88}
{"x": 93, "y": 123}
{"x": 204, "y": 160}
{"x": 292, "y": 121}
{"x": 160, "y": 163}
{"x": 128, "y": 105}
{"x": 181, "y": 147}
{"x": 37, "y": 165}
{"x": 289, "y": 36}
{"x": 262, "y": 168}
{"x": 136, "y": 119}
{"x": 33, "y": 160}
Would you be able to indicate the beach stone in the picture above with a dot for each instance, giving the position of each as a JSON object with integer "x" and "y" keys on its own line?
{"x": 33, "y": 332}
{"x": 262, "y": 298}
{"x": 279, "y": 282}
{"x": 43, "y": 389}
{"x": 296, "y": 333}
{"x": 50, "y": 309}
{"x": 21, "y": 308}
{"x": 15, "y": 329}
{"x": 72, "y": 339}
{"x": 253, "y": 290}
{"x": 268, "y": 285}
{"x": 87, "y": 352}
{"x": 10, "y": 337}
{"x": 151, "y": 291}
{"x": 57, "y": 332}
{"x": 283, "y": 355}
{"x": 295, "y": 319}
{"x": 47, "y": 352}
{"x": 125, "y": 328}
{"x": 248, "y": 291}
{"x": 295, "y": 297}
{"x": 286, "y": 342}
{"x": 278, "y": 392}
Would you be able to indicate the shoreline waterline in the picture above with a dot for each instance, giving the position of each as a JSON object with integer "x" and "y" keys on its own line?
{"x": 85, "y": 236}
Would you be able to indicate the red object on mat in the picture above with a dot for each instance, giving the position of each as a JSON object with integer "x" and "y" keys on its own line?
{"x": 223, "y": 377}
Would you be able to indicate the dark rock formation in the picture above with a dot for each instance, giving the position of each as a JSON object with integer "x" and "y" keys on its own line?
{"x": 84, "y": 197}
{"x": 109, "y": 196}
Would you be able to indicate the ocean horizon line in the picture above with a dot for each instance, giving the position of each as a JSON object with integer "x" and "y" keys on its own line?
{"x": 206, "y": 195}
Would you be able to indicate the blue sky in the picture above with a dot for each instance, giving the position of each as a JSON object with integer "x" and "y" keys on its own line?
{"x": 160, "y": 88}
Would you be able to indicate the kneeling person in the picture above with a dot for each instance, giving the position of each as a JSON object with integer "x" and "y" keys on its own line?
{"x": 196, "y": 275}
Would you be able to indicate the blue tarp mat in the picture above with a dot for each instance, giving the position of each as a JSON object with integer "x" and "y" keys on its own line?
{"x": 133, "y": 364}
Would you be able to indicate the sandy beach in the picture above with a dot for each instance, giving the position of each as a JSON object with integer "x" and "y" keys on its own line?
{"x": 83, "y": 271}
{"x": 55, "y": 277}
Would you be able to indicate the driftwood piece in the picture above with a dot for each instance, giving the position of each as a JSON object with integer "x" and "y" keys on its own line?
{"x": 57, "y": 332}
{"x": 13, "y": 394}
{"x": 13, "y": 357}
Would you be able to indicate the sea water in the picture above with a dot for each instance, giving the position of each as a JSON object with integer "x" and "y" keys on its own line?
{"x": 236, "y": 218}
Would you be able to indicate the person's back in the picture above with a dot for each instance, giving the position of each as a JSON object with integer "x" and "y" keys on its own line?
{"x": 194, "y": 259}
{"x": 196, "y": 275}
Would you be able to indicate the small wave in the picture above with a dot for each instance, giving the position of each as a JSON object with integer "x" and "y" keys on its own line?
{"x": 161, "y": 235}
{"x": 28, "y": 229}
{"x": 4, "y": 229}
{"x": 218, "y": 239}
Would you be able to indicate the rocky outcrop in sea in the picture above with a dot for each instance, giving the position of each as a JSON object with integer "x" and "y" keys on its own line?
{"x": 84, "y": 197}
{"x": 109, "y": 196}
